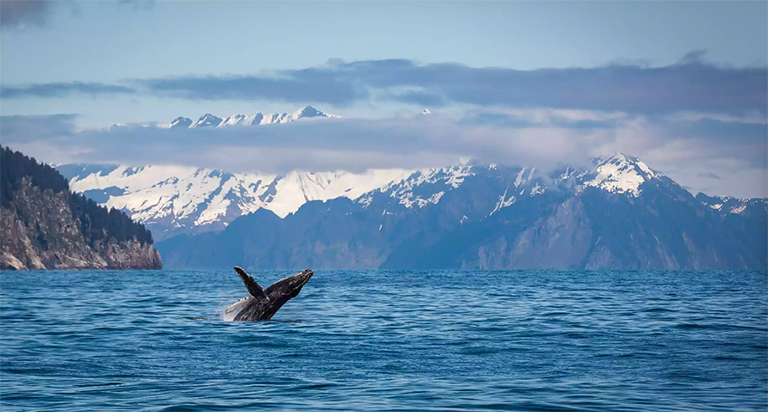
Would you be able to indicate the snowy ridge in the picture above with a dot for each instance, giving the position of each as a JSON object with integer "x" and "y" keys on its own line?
{"x": 521, "y": 176}
{"x": 503, "y": 202}
{"x": 407, "y": 191}
{"x": 255, "y": 119}
{"x": 207, "y": 120}
{"x": 730, "y": 204}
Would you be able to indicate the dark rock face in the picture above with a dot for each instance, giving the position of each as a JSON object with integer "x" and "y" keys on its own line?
{"x": 479, "y": 224}
{"x": 599, "y": 231}
{"x": 41, "y": 233}
{"x": 39, "y": 229}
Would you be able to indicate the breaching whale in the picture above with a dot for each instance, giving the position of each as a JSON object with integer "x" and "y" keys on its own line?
{"x": 262, "y": 304}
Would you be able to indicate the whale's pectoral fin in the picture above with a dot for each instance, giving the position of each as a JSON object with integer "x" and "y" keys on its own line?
{"x": 253, "y": 288}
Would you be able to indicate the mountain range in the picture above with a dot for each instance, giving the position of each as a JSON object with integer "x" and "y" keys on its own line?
{"x": 172, "y": 200}
{"x": 616, "y": 213}
{"x": 255, "y": 119}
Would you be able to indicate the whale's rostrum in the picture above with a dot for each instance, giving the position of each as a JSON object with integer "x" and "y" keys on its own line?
{"x": 262, "y": 304}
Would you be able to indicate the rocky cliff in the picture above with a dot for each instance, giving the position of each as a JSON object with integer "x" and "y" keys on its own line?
{"x": 44, "y": 226}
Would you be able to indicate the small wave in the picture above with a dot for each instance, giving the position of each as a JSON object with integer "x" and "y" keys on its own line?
{"x": 716, "y": 326}
{"x": 658, "y": 309}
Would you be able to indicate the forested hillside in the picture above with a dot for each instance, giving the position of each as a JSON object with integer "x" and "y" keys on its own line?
{"x": 44, "y": 226}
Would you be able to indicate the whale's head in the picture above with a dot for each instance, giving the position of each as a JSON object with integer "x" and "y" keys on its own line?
{"x": 284, "y": 290}
{"x": 289, "y": 287}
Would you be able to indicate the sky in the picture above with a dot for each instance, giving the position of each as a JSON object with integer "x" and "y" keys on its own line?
{"x": 682, "y": 85}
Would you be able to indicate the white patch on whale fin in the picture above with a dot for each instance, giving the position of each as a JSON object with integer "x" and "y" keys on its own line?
{"x": 234, "y": 309}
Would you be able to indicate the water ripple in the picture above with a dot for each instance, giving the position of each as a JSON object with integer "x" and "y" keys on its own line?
{"x": 387, "y": 341}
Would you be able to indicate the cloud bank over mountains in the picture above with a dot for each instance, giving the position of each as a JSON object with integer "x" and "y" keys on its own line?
{"x": 689, "y": 85}
{"x": 718, "y": 154}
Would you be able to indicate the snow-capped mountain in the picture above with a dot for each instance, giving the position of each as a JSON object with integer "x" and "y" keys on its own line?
{"x": 616, "y": 213}
{"x": 255, "y": 119}
{"x": 619, "y": 213}
{"x": 176, "y": 199}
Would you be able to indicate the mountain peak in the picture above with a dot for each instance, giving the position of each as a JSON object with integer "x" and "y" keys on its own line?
{"x": 308, "y": 111}
{"x": 181, "y": 122}
{"x": 207, "y": 120}
{"x": 304, "y": 112}
{"x": 620, "y": 174}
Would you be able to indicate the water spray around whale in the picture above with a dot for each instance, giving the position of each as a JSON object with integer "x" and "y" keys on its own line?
{"x": 263, "y": 304}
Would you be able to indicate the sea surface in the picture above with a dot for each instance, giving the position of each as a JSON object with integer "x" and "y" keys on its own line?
{"x": 387, "y": 341}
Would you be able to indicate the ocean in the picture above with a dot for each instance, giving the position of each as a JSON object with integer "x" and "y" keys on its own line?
{"x": 387, "y": 341}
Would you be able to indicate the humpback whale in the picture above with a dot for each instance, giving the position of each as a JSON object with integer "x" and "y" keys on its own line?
{"x": 262, "y": 304}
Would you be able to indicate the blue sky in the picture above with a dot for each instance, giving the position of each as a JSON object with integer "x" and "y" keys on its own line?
{"x": 110, "y": 42}
{"x": 673, "y": 67}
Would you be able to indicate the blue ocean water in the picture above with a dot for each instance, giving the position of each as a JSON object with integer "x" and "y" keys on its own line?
{"x": 387, "y": 341}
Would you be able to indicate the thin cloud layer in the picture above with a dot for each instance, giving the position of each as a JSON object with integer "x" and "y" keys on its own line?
{"x": 327, "y": 90}
{"x": 48, "y": 90}
{"x": 36, "y": 128}
{"x": 714, "y": 156}
{"x": 690, "y": 85}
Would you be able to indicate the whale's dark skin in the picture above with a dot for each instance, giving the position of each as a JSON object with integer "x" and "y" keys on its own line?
{"x": 263, "y": 304}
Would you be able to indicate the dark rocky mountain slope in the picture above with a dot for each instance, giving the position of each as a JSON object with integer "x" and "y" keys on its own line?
{"x": 44, "y": 226}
